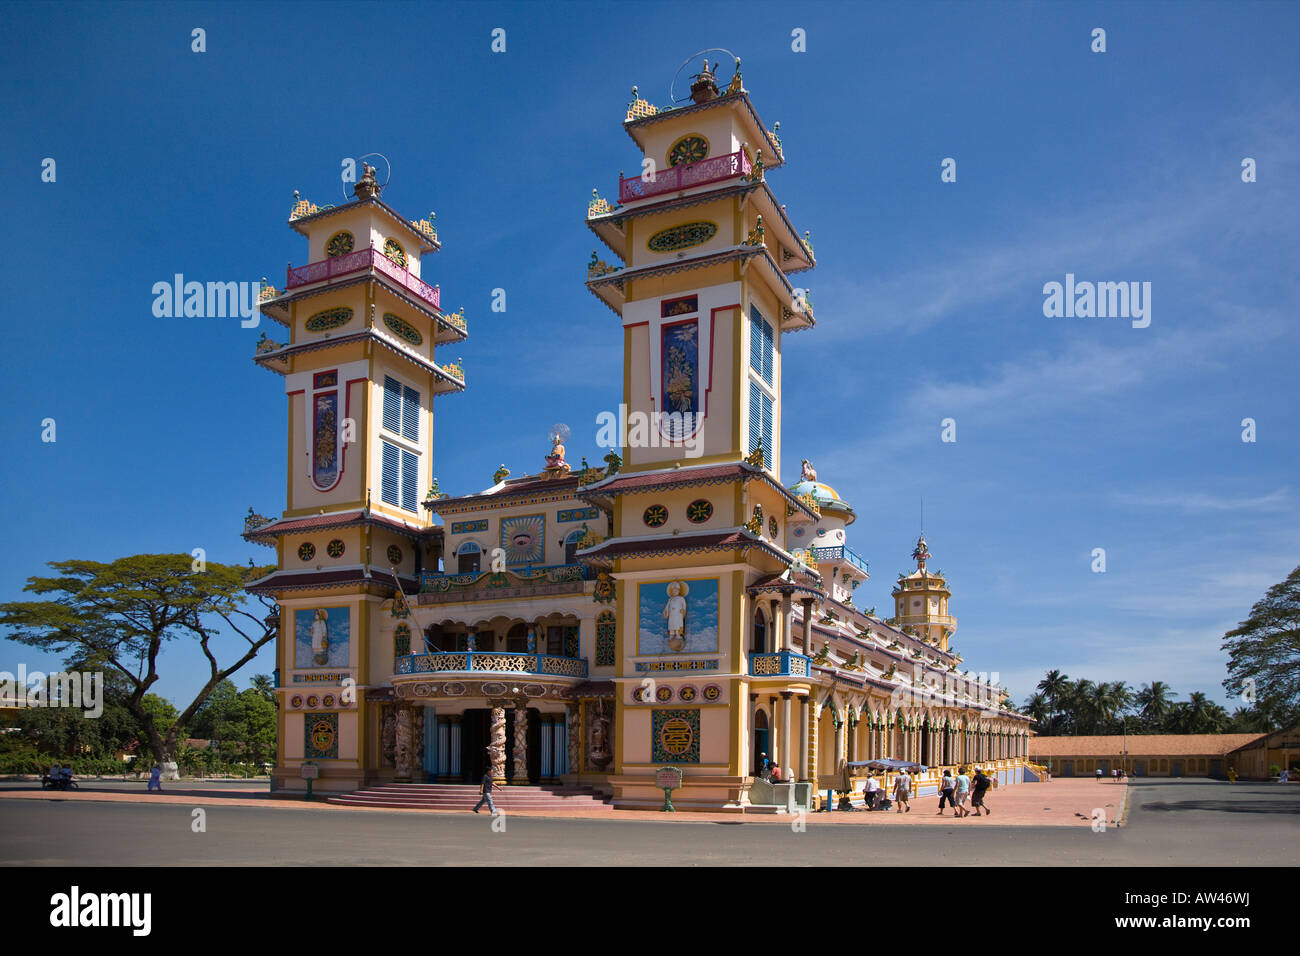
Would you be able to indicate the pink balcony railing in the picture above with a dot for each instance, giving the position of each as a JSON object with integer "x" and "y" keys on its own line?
{"x": 360, "y": 261}
{"x": 676, "y": 178}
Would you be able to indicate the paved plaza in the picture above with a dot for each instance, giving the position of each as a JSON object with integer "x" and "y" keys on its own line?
{"x": 1243, "y": 824}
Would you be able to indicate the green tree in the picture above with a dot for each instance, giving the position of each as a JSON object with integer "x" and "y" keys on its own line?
{"x": 1153, "y": 702}
{"x": 1264, "y": 650}
{"x": 121, "y": 614}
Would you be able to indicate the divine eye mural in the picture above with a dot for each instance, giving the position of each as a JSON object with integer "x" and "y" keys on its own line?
{"x": 321, "y": 637}
{"x": 523, "y": 538}
{"x": 675, "y": 617}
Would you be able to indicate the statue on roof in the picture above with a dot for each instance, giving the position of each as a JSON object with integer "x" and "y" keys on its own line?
{"x": 809, "y": 473}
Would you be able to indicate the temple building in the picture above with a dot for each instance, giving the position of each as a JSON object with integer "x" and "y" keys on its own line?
{"x": 586, "y": 626}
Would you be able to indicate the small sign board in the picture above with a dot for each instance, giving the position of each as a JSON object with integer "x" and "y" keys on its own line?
{"x": 310, "y": 771}
{"x": 668, "y": 778}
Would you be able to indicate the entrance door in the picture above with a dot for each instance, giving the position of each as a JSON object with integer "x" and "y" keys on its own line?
{"x": 762, "y": 742}
{"x": 1178, "y": 768}
{"x": 1139, "y": 768}
{"x": 1216, "y": 769}
{"x": 474, "y": 739}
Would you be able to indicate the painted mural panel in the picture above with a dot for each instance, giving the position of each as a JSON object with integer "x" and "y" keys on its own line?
{"x": 523, "y": 538}
{"x": 322, "y": 736}
{"x": 322, "y": 637}
{"x": 675, "y": 736}
{"x": 678, "y": 616}
{"x": 325, "y": 463}
{"x": 681, "y": 368}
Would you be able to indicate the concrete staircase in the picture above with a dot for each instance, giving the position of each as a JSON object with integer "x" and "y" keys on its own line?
{"x": 450, "y": 796}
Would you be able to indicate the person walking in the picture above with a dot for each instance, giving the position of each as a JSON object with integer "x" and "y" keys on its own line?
{"x": 979, "y": 789}
{"x": 486, "y": 788}
{"x": 1099, "y": 775}
{"x": 872, "y": 792}
{"x": 764, "y": 766}
{"x": 903, "y": 792}
{"x": 946, "y": 786}
{"x": 155, "y": 779}
{"x": 963, "y": 794}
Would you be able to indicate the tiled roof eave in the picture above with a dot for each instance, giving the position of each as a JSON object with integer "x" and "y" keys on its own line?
{"x": 325, "y": 286}
{"x": 728, "y": 99}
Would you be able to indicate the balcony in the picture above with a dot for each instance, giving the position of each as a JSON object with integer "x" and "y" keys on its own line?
{"x": 492, "y": 662}
{"x": 361, "y": 261}
{"x": 780, "y": 664}
{"x": 842, "y": 553}
{"x": 676, "y": 178}
{"x": 523, "y": 581}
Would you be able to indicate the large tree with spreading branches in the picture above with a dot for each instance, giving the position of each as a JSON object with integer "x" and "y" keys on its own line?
{"x": 118, "y": 616}
{"x": 1264, "y": 653}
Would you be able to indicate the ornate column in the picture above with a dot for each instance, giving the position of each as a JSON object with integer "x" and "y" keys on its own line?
{"x": 809, "y": 738}
{"x": 807, "y": 625}
{"x": 402, "y": 750}
{"x": 521, "y": 743}
{"x": 787, "y": 752}
{"x": 417, "y": 743}
{"x": 772, "y": 618}
{"x": 497, "y": 742}
{"x": 812, "y": 747}
{"x": 787, "y": 618}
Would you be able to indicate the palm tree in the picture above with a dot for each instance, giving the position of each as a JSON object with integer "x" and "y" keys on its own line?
{"x": 1053, "y": 687}
{"x": 1202, "y": 715}
{"x": 1154, "y": 701}
{"x": 1037, "y": 708}
{"x": 1079, "y": 702}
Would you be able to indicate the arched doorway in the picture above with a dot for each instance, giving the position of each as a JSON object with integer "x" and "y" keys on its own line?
{"x": 762, "y": 741}
{"x": 759, "y": 643}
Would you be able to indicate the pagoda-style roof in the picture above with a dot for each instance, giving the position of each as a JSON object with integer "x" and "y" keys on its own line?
{"x": 503, "y": 493}
{"x": 735, "y": 539}
{"x": 759, "y": 137}
{"x": 344, "y": 519}
{"x": 447, "y": 380}
{"x": 427, "y": 242}
{"x": 686, "y": 477}
{"x": 310, "y": 580}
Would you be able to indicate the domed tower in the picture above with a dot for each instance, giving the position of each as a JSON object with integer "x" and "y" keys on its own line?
{"x": 842, "y": 569}
{"x": 921, "y": 600}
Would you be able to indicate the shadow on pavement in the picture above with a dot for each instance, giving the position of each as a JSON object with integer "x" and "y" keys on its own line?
{"x": 1228, "y": 806}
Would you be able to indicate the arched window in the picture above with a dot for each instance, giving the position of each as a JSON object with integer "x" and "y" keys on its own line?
{"x": 760, "y": 632}
{"x": 468, "y": 556}
{"x": 571, "y": 545}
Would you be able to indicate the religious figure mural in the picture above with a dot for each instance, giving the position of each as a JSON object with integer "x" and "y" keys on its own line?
{"x": 677, "y": 616}
{"x": 681, "y": 370}
{"x": 321, "y": 637}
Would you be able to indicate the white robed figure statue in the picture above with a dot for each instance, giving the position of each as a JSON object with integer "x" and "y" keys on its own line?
{"x": 320, "y": 638}
{"x": 675, "y": 612}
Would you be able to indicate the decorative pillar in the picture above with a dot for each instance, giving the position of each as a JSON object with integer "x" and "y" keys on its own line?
{"x": 787, "y": 752}
{"x": 812, "y": 747}
{"x": 841, "y": 741}
{"x": 402, "y": 752}
{"x": 807, "y": 625}
{"x": 547, "y": 771}
{"x": 808, "y": 737}
{"x": 521, "y": 743}
{"x": 496, "y": 747}
{"x": 774, "y": 617}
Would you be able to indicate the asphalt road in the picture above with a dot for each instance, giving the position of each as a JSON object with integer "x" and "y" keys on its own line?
{"x": 1185, "y": 822}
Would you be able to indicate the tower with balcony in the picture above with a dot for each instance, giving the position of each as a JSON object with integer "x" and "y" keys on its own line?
{"x": 701, "y": 284}
{"x": 921, "y": 601}
{"x": 361, "y": 330}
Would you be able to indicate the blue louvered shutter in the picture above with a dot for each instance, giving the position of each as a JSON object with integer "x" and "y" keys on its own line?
{"x": 755, "y": 417}
{"x": 392, "y": 405}
{"x": 410, "y": 480}
{"x": 768, "y": 366}
{"x": 410, "y": 414}
{"x": 388, "y": 482}
{"x": 767, "y": 431}
{"x": 755, "y": 342}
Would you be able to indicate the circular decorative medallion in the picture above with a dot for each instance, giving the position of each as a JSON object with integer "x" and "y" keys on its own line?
{"x": 312, "y": 701}
{"x": 664, "y": 694}
{"x": 798, "y": 532}
{"x": 712, "y": 692}
{"x": 296, "y": 700}
{"x": 687, "y": 693}
{"x": 393, "y": 249}
{"x": 699, "y": 511}
{"x": 328, "y": 319}
{"x": 335, "y": 548}
{"x": 329, "y": 700}
{"x": 771, "y": 526}
{"x": 394, "y": 554}
{"x": 688, "y": 149}
{"x": 340, "y": 244}
{"x": 640, "y": 694}
{"x": 682, "y": 236}
{"x": 402, "y": 329}
{"x": 306, "y": 551}
{"x": 655, "y": 516}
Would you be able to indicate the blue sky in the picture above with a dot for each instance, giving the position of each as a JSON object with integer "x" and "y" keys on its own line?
{"x": 1072, "y": 434}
